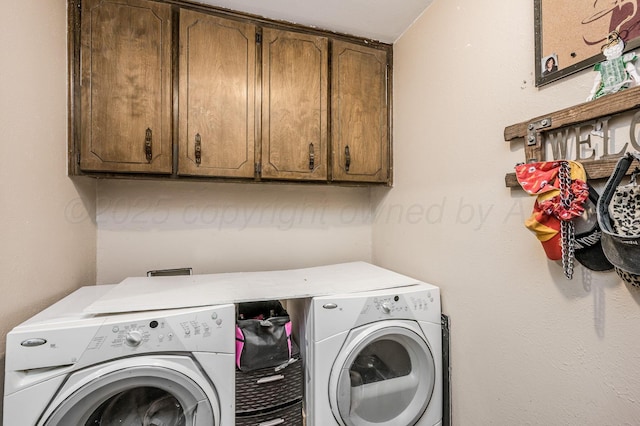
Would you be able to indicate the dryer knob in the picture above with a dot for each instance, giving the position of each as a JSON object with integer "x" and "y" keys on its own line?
{"x": 134, "y": 338}
{"x": 385, "y": 308}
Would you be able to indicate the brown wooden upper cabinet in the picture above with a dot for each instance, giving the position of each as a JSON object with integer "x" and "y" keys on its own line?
{"x": 173, "y": 89}
{"x": 360, "y": 126}
{"x": 217, "y": 96}
{"x": 125, "y": 78}
{"x": 294, "y": 105}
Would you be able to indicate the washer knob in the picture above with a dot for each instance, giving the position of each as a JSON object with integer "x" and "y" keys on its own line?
{"x": 134, "y": 338}
{"x": 385, "y": 308}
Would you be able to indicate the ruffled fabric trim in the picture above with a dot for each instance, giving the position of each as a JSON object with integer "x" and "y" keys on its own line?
{"x": 554, "y": 206}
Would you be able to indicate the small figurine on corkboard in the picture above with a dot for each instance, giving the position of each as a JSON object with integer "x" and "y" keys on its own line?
{"x": 617, "y": 72}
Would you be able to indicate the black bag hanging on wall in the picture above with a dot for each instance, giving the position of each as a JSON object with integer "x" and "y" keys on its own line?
{"x": 619, "y": 220}
{"x": 263, "y": 335}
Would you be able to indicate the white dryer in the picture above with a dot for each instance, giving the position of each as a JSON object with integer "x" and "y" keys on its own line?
{"x": 64, "y": 367}
{"x": 373, "y": 358}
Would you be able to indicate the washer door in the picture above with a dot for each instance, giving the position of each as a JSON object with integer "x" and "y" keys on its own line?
{"x": 166, "y": 391}
{"x": 384, "y": 375}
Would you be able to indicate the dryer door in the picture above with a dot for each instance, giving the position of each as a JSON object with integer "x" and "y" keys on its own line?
{"x": 136, "y": 391}
{"x": 383, "y": 376}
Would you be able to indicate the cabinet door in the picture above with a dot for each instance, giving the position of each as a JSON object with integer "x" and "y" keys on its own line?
{"x": 294, "y": 105}
{"x": 125, "y": 86}
{"x": 217, "y": 96}
{"x": 360, "y": 120}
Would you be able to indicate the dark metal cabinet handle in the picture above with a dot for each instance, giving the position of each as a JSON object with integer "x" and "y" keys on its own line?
{"x": 347, "y": 158}
{"x": 198, "y": 149}
{"x": 148, "y": 149}
{"x": 311, "y": 157}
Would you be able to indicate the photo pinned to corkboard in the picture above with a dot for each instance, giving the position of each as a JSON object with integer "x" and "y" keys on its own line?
{"x": 569, "y": 34}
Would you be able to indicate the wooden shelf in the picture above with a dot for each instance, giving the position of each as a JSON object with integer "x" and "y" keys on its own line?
{"x": 610, "y": 105}
{"x": 600, "y": 169}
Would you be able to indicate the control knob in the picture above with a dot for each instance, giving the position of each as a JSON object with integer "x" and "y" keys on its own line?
{"x": 134, "y": 338}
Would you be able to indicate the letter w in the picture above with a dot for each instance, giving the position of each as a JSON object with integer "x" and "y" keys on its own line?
{"x": 558, "y": 141}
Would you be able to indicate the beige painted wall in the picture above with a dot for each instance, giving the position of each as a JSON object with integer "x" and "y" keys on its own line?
{"x": 529, "y": 347}
{"x": 48, "y": 237}
{"x": 225, "y": 227}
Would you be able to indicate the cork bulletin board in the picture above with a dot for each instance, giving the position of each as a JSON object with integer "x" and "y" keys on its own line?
{"x": 569, "y": 34}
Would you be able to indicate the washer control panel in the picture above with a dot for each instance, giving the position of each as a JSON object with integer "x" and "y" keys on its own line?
{"x": 106, "y": 337}
{"x": 209, "y": 329}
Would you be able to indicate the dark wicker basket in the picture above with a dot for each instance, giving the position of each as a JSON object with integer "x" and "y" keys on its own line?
{"x": 290, "y": 415}
{"x": 266, "y": 388}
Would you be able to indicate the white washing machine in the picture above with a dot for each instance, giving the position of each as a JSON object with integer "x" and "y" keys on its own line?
{"x": 64, "y": 367}
{"x": 372, "y": 358}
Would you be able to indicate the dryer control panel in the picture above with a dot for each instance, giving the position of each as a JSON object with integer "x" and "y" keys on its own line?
{"x": 414, "y": 306}
{"x": 387, "y": 307}
{"x": 333, "y": 313}
{"x": 402, "y": 303}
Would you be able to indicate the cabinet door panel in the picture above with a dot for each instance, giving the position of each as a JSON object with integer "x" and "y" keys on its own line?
{"x": 217, "y": 96}
{"x": 360, "y": 137}
{"x": 294, "y": 105}
{"x": 126, "y": 86}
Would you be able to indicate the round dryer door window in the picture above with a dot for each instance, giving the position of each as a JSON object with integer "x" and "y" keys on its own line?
{"x": 383, "y": 376}
{"x": 141, "y": 395}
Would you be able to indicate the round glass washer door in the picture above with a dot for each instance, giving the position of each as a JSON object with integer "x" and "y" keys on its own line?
{"x": 138, "y": 395}
{"x": 383, "y": 376}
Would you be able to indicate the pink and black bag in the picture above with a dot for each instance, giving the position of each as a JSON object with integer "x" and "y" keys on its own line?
{"x": 263, "y": 335}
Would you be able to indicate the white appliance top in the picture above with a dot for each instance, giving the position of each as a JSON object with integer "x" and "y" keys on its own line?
{"x": 63, "y": 335}
{"x": 157, "y": 293}
{"x": 69, "y": 309}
